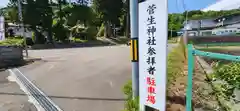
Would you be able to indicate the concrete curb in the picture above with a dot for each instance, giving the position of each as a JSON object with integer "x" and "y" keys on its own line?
{"x": 205, "y": 66}
{"x": 32, "y": 59}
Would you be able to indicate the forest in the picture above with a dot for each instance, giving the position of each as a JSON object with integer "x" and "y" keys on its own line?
{"x": 95, "y": 18}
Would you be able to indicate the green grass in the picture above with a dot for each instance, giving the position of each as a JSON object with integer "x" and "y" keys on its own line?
{"x": 12, "y": 41}
{"x": 176, "y": 61}
{"x": 78, "y": 40}
{"x": 173, "y": 40}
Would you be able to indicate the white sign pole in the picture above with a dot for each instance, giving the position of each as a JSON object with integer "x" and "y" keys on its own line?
{"x": 2, "y": 28}
{"x": 153, "y": 17}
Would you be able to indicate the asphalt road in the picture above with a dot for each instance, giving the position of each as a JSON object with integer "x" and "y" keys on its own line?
{"x": 82, "y": 79}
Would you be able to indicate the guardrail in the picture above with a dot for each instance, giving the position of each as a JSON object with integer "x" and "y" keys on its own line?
{"x": 10, "y": 55}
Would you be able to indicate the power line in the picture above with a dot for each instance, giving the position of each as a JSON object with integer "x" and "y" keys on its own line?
{"x": 177, "y": 5}
{"x": 185, "y": 10}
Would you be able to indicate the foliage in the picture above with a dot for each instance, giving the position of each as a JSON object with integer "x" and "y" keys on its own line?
{"x": 229, "y": 73}
{"x": 91, "y": 33}
{"x": 78, "y": 14}
{"x": 130, "y": 104}
{"x": 12, "y": 41}
{"x": 108, "y": 13}
{"x": 175, "y": 20}
{"x": 60, "y": 32}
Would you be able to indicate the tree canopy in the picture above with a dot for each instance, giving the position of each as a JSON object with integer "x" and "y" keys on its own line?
{"x": 62, "y": 17}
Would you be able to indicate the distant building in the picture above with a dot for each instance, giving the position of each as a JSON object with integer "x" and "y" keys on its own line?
{"x": 214, "y": 26}
{"x": 18, "y": 31}
{"x": 223, "y": 5}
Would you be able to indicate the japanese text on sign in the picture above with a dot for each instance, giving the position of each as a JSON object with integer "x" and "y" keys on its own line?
{"x": 151, "y": 53}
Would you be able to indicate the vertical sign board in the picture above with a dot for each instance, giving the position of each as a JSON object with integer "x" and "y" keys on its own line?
{"x": 153, "y": 54}
{"x": 2, "y": 28}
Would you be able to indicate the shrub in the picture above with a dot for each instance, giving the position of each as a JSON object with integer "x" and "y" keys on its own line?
{"x": 39, "y": 38}
{"x": 230, "y": 73}
{"x": 60, "y": 32}
{"x": 29, "y": 41}
{"x": 91, "y": 32}
{"x": 12, "y": 42}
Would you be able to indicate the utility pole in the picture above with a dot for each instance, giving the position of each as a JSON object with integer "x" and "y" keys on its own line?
{"x": 22, "y": 26}
{"x": 134, "y": 36}
{"x": 199, "y": 27}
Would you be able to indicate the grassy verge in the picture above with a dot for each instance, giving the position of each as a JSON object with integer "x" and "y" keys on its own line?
{"x": 173, "y": 40}
{"x": 12, "y": 42}
{"x": 176, "y": 61}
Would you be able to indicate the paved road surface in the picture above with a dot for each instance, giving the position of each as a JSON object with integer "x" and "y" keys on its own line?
{"x": 82, "y": 79}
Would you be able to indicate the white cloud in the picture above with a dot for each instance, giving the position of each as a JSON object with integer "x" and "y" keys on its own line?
{"x": 223, "y": 5}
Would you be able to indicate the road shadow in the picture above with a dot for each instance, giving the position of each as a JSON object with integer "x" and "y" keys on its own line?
{"x": 24, "y": 62}
{"x": 66, "y": 97}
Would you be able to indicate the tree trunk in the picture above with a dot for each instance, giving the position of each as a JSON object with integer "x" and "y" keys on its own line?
{"x": 109, "y": 30}
{"x": 50, "y": 35}
{"x": 105, "y": 29}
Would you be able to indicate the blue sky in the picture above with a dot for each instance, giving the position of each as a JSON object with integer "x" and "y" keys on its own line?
{"x": 174, "y": 6}
{"x": 3, "y": 3}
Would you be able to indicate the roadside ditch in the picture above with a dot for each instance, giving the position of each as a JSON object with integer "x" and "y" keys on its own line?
{"x": 224, "y": 77}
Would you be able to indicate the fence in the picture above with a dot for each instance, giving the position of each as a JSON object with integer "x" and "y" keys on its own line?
{"x": 215, "y": 40}
{"x": 10, "y": 55}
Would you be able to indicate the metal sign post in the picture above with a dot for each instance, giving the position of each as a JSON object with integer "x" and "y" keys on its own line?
{"x": 134, "y": 45}
{"x": 153, "y": 30}
{"x": 22, "y": 25}
{"x": 2, "y": 28}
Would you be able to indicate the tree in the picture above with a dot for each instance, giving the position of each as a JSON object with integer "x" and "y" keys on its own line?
{"x": 108, "y": 12}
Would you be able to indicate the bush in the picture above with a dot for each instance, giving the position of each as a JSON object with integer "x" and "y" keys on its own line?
{"x": 60, "y": 32}
{"x": 29, "y": 41}
{"x": 91, "y": 32}
{"x": 230, "y": 73}
{"x": 40, "y": 38}
{"x": 130, "y": 104}
{"x": 12, "y": 42}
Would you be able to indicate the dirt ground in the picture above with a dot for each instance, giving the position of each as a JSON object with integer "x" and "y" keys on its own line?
{"x": 202, "y": 99}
